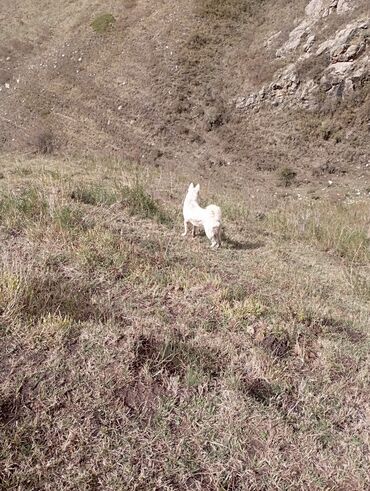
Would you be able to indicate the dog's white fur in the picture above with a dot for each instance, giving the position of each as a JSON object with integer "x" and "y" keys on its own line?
{"x": 209, "y": 218}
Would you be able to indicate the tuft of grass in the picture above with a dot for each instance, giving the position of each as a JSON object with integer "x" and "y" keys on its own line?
{"x": 30, "y": 204}
{"x": 22, "y": 171}
{"x": 176, "y": 357}
{"x": 102, "y": 249}
{"x": 235, "y": 293}
{"x": 240, "y": 312}
{"x": 140, "y": 203}
{"x": 67, "y": 217}
{"x": 102, "y": 23}
{"x": 235, "y": 212}
{"x": 94, "y": 194}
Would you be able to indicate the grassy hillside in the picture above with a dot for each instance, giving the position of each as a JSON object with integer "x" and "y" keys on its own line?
{"x": 156, "y": 83}
{"x": 136, "y": 359}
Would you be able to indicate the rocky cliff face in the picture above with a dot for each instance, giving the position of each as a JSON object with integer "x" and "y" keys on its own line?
{"x": 326, "y": 56}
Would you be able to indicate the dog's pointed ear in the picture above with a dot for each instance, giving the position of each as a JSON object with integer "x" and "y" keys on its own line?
{"x": 197, "y": 187}
{"x": 191, "y": 186}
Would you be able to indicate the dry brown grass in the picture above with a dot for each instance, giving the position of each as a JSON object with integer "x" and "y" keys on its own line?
{"x": 135, "y": 359}
{"x": 341, "y": 229}
{"x": 228, "y": 9}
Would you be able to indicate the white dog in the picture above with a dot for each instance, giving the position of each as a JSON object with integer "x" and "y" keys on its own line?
{"x": 209, "y": 218}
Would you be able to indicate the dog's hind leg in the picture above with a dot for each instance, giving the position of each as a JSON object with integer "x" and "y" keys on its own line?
{"x": 185, "y": 228}
{"x": 219, "y": 236}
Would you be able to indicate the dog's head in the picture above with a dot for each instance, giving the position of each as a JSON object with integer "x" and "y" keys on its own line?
{"x": 193, "y": 192}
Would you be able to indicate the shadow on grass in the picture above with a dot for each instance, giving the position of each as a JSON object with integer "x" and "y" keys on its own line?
{"x": 229, "y": 243}
{"x": 241, "y": 246}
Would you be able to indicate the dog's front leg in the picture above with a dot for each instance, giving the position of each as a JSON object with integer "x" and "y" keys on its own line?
{"x": 185, "y": 228}
{"x": 193, "y": 231}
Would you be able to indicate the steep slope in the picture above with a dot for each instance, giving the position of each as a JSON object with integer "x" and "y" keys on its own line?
{"x": 189, "y": 84}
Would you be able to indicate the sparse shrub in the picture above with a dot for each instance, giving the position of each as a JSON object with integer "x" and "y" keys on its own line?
{"x": 102, "y": 23}
{"x": 44, "y": 141}
{"x": 313, "y": 67}
{"x": 287, "y": 176}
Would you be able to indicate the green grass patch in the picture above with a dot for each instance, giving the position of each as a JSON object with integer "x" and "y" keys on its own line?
{"x": 29, "y": 204}
{"x": 102, "y": 23}
{"x": 141, "y": 204}
{"x": 94, "y": 194}
{"x": 67, "y": 218}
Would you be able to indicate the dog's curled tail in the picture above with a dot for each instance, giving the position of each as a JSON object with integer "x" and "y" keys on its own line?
{"x": 215, "y": 212}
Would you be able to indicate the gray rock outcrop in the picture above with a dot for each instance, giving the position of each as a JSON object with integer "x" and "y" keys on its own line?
{"x": 332, "y": 68}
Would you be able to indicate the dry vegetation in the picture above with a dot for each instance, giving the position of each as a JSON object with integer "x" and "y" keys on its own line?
{"x": 146, "y": 91}
{"x": 135, "y": 359}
